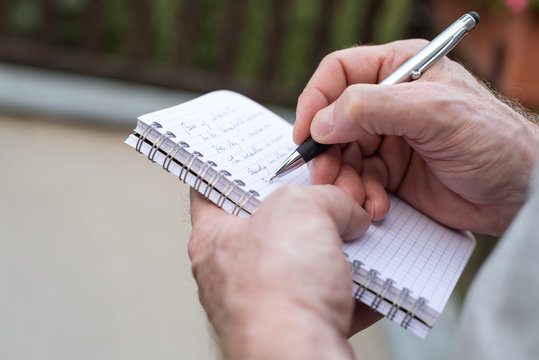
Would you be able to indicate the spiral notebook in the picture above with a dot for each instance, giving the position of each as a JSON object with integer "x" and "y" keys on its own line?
{"x": 226, "y": 147}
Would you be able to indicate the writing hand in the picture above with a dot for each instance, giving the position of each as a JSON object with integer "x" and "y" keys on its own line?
{"x": 443, "y": 143}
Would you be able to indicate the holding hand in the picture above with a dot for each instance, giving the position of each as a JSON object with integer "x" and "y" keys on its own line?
{"x": 280, "y": 278}
{"x": 443, "y": 143}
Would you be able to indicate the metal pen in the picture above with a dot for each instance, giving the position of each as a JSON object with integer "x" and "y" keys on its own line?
{"x": 410, "y": 70}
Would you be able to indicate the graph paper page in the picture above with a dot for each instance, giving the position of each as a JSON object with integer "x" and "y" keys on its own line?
{"x": 414, "y": 251}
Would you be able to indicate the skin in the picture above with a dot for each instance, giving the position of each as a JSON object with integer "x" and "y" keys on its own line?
{"x": 290, "y": 284}
{"x": 276, "y": 285}
{"x": 444, "y": 143}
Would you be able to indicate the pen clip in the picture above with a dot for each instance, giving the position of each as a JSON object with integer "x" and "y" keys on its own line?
{"x": 444, "y": 50}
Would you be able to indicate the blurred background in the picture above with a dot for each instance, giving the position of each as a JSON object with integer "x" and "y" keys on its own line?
{"x": 93, "y": 237}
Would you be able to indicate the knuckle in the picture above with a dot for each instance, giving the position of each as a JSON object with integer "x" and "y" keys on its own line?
{"x": 329, "y": 58}
{"x": 351, "y": 106}
{"x": 333, "y": 60}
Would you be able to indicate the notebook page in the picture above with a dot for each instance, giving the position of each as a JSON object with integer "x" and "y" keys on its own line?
{"x": 249, "y": 141}
{"x": 416, "y": 252}
{"x": 236, "y": 133}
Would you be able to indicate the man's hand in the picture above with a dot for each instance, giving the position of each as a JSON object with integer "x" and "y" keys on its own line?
{"x": 278, "y": 284}
{"x": 443, "y": 143}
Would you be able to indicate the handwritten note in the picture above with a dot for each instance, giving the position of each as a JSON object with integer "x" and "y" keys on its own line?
{"x": 241, "y": 136}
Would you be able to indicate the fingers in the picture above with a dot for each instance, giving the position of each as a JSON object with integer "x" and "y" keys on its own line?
{"x": 349, "y": 181}
{"x": 363, "y": 64}
{"x": 369, "y": 144}
{"x": 321, "y": 202}
{"x": 347, "y": 214}
{"x": 343, "y": 174}
{"x": 325, "y": 168}
{"x": 374, "y": 177}
{"x": 396, "y": 155}
{"x": 350, "y": 218}
{"x": 363, "y": 109}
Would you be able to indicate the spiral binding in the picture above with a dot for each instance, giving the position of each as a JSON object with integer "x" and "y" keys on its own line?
{"x": 398, "y": 303}
{"x": 144, "y": 135}
{"x": 158, "y": 143}
{"x": 371, "y": 275}
{"x": 201, "y": 175}
{"x": 356, "y": 264}
{"x": 187, "y": 165}
{"x": 244, "y": 199}
{"x": 412, "y": 313}
{"x": 380, "y": 296}
{"x": 225, "y": 194}
{"x": 213, "y": 181}
{"x": 172, "y": 153}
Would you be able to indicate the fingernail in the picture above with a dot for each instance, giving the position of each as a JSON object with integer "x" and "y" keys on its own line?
{"x": 369, "y": 208}
{"x": 323, "y": 122}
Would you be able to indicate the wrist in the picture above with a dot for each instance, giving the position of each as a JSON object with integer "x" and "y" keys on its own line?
{"x": 518, "y": 161}
{"x": 279, "y": 330}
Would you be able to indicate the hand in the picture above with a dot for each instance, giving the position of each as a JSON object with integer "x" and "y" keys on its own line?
{"x": 278, "y": 282}
{"x": 443, "y": 143}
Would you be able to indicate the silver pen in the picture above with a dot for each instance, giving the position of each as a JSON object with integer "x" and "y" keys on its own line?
{"x": 410, "y": 70}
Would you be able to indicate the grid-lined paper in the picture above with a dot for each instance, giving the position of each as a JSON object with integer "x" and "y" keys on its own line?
{"x": 414, "y": 251}
{"x": 249, "y": 141}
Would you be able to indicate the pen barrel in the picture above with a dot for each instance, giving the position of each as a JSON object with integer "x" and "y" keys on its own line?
{"x": 437, "y": 48}
{"x": 311, "y": 149}
{"x": 411, "y": 69}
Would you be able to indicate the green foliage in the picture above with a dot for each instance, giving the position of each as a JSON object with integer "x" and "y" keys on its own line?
{"x": 253, "y": 50}
{"x": 300, "y": 21}
{"x": 163, "y": 29}
{"x": 207, "y": 39}
{"x": 67, "y": 27}
{"x": 116, "y": 25}
{"x": 347, "y": 20}
{"x": 23, "y": 17}
{"x": 293, "y": 65}
{"x": 392, "y": 23}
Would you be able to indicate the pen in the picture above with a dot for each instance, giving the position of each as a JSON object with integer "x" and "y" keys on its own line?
{"x": 410, "y": 70}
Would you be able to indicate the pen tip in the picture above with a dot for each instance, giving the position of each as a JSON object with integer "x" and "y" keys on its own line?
{"x": 273, "y": 177}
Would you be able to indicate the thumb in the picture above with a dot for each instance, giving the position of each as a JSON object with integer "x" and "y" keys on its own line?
{"x": 293, "y": 204}
{"x": 204, "y": 212}
{"x": 348, "y": 216}
{"x": 412, "y": 110}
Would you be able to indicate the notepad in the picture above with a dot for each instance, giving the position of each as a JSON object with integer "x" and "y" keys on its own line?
{"x": 227, "y": 146}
